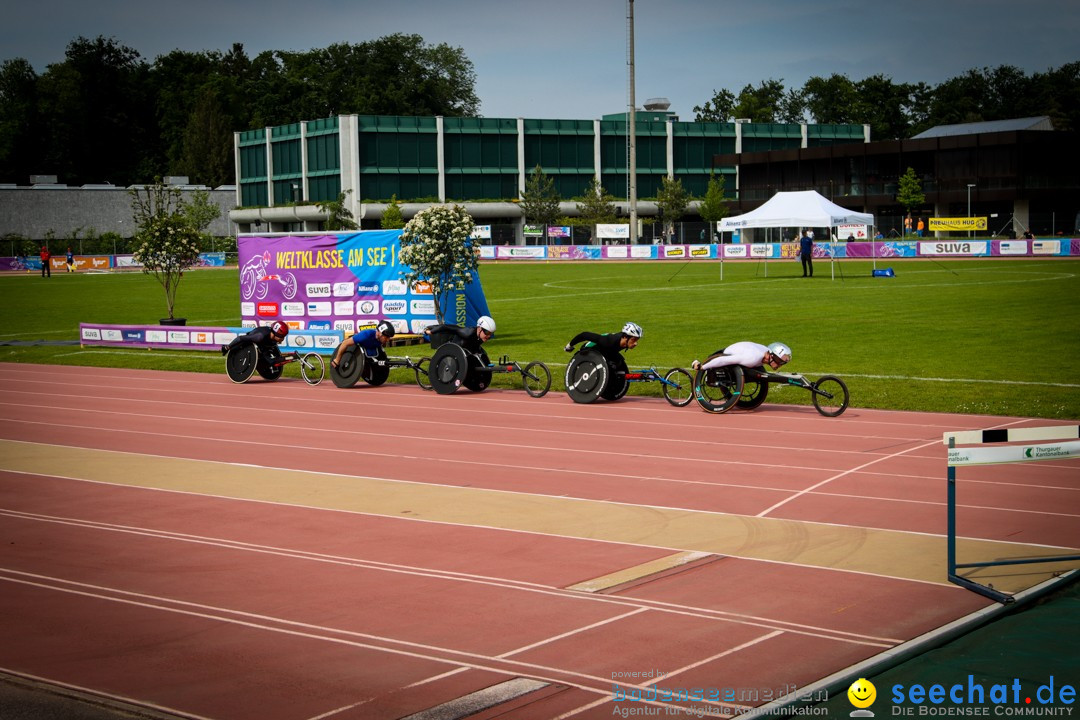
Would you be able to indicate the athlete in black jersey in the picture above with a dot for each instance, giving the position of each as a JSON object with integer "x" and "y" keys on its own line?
{"x": 609, "y": 345}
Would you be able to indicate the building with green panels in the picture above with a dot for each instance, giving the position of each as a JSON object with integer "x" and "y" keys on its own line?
{"x": 283, "y": 172}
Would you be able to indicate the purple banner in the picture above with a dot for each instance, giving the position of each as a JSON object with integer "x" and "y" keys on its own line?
{"x": 341, "y": 282}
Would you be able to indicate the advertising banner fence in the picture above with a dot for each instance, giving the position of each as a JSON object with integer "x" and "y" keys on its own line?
{"x": 183, "y": 337}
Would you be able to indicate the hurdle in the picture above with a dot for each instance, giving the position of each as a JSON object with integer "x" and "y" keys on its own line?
{"x": 1000, "y": 454}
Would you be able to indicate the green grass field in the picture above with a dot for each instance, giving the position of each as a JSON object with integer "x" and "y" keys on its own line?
{"x": 994, "y": 336}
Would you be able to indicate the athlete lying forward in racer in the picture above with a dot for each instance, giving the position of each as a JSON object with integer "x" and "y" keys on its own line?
{"x": 749, "y": 354}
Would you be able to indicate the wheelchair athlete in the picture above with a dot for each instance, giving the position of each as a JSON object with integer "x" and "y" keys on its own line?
{"x": 609, "y": 345}
{"x": 470, "y": 338}
{"x": 371, "y": 340}
{"x": 464, "y": 364}
{"x": 750, "y": 355}
{"x": 266, "y": 338}
{"x": 267, "y": 356}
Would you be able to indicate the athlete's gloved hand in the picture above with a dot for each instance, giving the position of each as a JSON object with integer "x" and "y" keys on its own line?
{"x": 569, "y": 348}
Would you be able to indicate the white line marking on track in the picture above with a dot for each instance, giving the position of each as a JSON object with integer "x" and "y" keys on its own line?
{"x": 571, "y": 633}
{"x": 498, "y": 583}
{"x": 810, "y": 489}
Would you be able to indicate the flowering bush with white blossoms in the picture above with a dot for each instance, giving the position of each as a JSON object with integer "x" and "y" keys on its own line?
{"x": 435, "y": 245}
{"x": 167, "y": 246}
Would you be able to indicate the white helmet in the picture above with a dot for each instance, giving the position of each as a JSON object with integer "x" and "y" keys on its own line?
{"x": 486, "y": 323}
{"x": 632, "y": 329}
{"x": 781, "y": 352}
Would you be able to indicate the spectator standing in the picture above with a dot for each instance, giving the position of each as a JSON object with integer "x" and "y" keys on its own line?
{"x": 806, "y": 253}
{"x": 46, "y": 262}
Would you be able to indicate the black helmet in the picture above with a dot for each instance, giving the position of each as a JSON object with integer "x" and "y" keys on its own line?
{"x": 385, "y": 327}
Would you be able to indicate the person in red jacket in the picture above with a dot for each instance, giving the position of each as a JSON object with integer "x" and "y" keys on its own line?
{"x": 46, "y": 270}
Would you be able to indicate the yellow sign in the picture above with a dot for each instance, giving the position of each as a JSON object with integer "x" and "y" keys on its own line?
{"x": 962, "y": 223}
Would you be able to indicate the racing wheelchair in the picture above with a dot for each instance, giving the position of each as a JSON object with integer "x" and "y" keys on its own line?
{"x": 717, "y": 390}
{"x": 242, "y": 360}
{"x": 356, "y": 364}
{"x": 452, "y": 366}
{"x": 589, "y": 376}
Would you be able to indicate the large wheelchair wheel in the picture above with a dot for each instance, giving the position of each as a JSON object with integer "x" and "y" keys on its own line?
{"x": 347, "y": 373}
{"x": 241, "y": 361}
{"x": 376, "y": 369}
{"x": 536, "y": 378}
{"x": 830, "y": 395}
{"x": 586, "y": 376}
{"x": 476, "y": 379}
{"x": 448, "y": 369}
{"x": 717, "y": 390}
{"x": 754, "y": 392}
{"x": 617, "y": 384}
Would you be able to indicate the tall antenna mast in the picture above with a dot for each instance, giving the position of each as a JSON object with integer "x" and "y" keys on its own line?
{"x": 631, "y": 116}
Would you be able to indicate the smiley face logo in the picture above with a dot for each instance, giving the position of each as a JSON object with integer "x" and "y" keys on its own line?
{"x": 862, "y": 693}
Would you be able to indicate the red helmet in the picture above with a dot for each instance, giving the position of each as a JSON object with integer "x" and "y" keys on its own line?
{"x": 279, "y": 328}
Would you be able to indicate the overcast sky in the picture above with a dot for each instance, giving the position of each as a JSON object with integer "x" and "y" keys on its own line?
{"x": 568, "y": 58}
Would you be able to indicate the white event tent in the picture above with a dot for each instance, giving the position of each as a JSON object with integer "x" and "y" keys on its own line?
{"x": 803, "y": 209}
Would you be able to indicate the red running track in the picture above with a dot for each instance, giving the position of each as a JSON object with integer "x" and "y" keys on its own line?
{"x": 209, "y": 605}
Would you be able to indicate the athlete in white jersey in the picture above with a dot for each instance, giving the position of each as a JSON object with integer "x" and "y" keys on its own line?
{"x": 749, "y": 354}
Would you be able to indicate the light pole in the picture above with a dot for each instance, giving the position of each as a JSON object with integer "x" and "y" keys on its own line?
{"x": 970, "y": 185}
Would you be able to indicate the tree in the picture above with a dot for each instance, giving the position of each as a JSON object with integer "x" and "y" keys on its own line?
{"x": 338, "y": 217}
{"x": 596, "y": 206}
{"x": 391, "y": 217}
{"x": 166, "y": 243}
{"x": 199, "y": 212}
{"x": 540, "y": 201}
{"x": 19, "y": 124}
{"x": 909, "y": 191}
{"x": 437, "y": 248}
{"x": 719, "y": 109}
{"x": 714, "y": 208}
{"x": 100, "y": 119}
{"x": 766, "y": 103}
{"x": 672, "y": 200}
{"x": 207, "y": 155}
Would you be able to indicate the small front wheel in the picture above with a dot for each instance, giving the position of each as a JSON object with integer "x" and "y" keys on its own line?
{"x": 312, "y": 368}
{"x": 421, "y": 371}
{"x": 717, "y": 390}
{"x": 678, "y": 387}
{"x": 830, "y": 395}
{"x": 536, "y": 378}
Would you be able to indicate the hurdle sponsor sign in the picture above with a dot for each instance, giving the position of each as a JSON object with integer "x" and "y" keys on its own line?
{"x": 1012, "y": 454}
